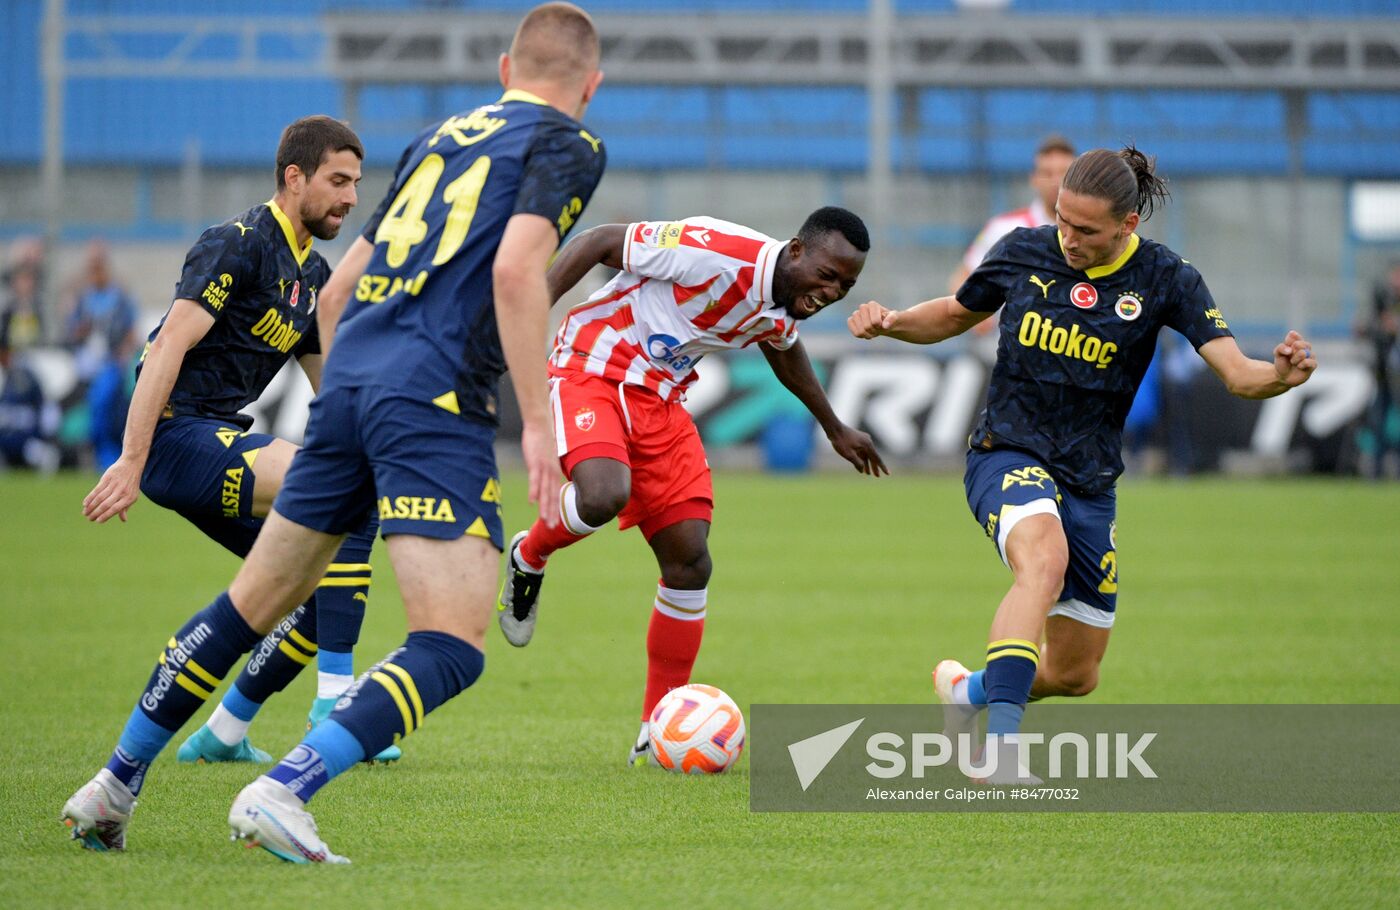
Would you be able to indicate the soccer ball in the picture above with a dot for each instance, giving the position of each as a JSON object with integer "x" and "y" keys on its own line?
{"x": 696, "y": 730}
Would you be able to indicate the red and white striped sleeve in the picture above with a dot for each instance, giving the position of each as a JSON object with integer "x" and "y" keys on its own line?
{"x": 687, "y": 252}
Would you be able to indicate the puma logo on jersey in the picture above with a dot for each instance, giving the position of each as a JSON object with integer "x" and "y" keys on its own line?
{"x": 1044, "y": 286}
{"x": 241, "y": 229}
{"x": 588, "y": 137}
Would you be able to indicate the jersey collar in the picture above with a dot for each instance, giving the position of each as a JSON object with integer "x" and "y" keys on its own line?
{"x": 1100, "y": 271}
{"x": 767, "y": 266}
{"x": 289, "y": 232}
{"x": 516, "y": 94}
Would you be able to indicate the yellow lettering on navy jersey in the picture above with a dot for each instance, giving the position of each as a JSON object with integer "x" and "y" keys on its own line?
{"x": 1029, "y": 476}
{"x": 1219, "y": 317}
{"x": 379, "y": 288}
{"x": 568, "y": 214}
{"x": 492, "y": 491}
{"x": 1041, "y": 332}
{"x": 277, "y": 333}
{"x": 229, "y": 495}
{"x": 217, "y": 294}
{"x": 416, "y": 508}
{"x": 478, "y": 124}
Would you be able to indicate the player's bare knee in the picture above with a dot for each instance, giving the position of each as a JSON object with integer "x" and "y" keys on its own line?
{"x": 691, "y": 572}
{"x": 599, "y": 503}
{"x": 1078, "y": 681}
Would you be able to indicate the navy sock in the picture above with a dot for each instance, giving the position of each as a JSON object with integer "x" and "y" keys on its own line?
{"x": 1011, "y": 664}
{"x": 384, "y": 705}
{"x": 343, "y": 593}
{"x": 274, "y": 663}
{"x": 192, "y": 665}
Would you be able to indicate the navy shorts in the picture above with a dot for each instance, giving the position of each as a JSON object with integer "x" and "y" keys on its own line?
{"x": 1004, "y": 486}
{"x": 425, "y": 470}
{"x": 204, "y": 468}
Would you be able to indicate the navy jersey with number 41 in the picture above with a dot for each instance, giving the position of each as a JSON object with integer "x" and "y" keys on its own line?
{"x": 422, "y": 317}
{"x": 1074, "y": 346}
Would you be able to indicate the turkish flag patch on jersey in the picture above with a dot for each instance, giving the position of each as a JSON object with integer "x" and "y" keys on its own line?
{"x": 1083, "y": 295}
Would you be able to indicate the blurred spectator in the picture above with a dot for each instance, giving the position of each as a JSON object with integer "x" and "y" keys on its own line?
{"x": 101, "y": 333}
{"x": 102, "y": 320}
{"x": 1052, "y": 158}
{"x": 28, "y": 423}
{"x": 1382, "y": 330}
{"x": 21, "y": 310}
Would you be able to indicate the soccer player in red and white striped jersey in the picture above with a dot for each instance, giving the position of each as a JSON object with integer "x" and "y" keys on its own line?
{"x": 621, "y": 364}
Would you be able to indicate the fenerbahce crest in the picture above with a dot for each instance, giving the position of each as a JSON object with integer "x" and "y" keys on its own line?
{"x": 584, "y": 419}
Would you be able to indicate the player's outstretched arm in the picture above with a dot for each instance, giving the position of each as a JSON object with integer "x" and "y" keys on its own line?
{"x": 794, "y": 371}
{"x": 330, "y": 303}
{"x": 601, "y": 245}
{"x": 185, "y": 324}
{"x": 1246, "y": 377}
{"x": 522, "y": 317}
{"x": 924, "y": 323}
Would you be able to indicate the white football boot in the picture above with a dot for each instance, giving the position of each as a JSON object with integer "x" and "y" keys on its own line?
{"x": 266, "y": 814}
{"x": 519, "y": 600}
{"x": 97, "y": 815}
{"x": 958, "y": 717}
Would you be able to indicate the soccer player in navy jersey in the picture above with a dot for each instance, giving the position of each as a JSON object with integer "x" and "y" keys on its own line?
{"x": 448, "y": 289}
{"x": 1083, "y": 302}
{"x": 245, "y": 304}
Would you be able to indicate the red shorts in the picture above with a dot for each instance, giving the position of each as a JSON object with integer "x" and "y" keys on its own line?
{"x": 600, "y": 418}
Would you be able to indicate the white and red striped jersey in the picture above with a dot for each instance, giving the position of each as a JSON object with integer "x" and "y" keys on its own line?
{"x": 686, "y": 288}
{"x": 1033, "y": 215}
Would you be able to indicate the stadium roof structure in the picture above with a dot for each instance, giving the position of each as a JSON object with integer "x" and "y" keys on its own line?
{"x": 969, "y": 49}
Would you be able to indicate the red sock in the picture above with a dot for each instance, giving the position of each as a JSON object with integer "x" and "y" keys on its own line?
{"x": 543, "y": 540}
{"x": 672, "y": 642}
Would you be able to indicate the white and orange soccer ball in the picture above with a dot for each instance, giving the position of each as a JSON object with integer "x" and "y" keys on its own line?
{"x": 697, "y": 730}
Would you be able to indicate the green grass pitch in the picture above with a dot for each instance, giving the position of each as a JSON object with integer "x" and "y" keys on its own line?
{"x": 826, "y": 589}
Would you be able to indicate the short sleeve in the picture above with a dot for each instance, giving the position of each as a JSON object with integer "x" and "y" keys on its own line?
{"x": 1192, "y": 310}
{"x": 984, "y": 291}
{"x": 219, "y": 265}
{"x": 562, "y": 168}
{"x": 785, "y": 339}
{"x": 688, "y": 252}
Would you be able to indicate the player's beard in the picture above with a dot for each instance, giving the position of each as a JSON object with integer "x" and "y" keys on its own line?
{"x": 322, "y": 228}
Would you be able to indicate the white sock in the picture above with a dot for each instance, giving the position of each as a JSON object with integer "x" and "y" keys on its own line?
{"x": 332, "y": 685}
{"x": 678, "y": 604}
{"x": 226, "y": 728}
{"x": 568, "y": 509}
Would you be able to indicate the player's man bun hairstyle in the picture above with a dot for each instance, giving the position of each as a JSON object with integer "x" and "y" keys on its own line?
{"x": 555, "y": 42}
{"x": 1126, "y": 178}
{"x": 307, "y": 142}
{"x": 833, "y": 219}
